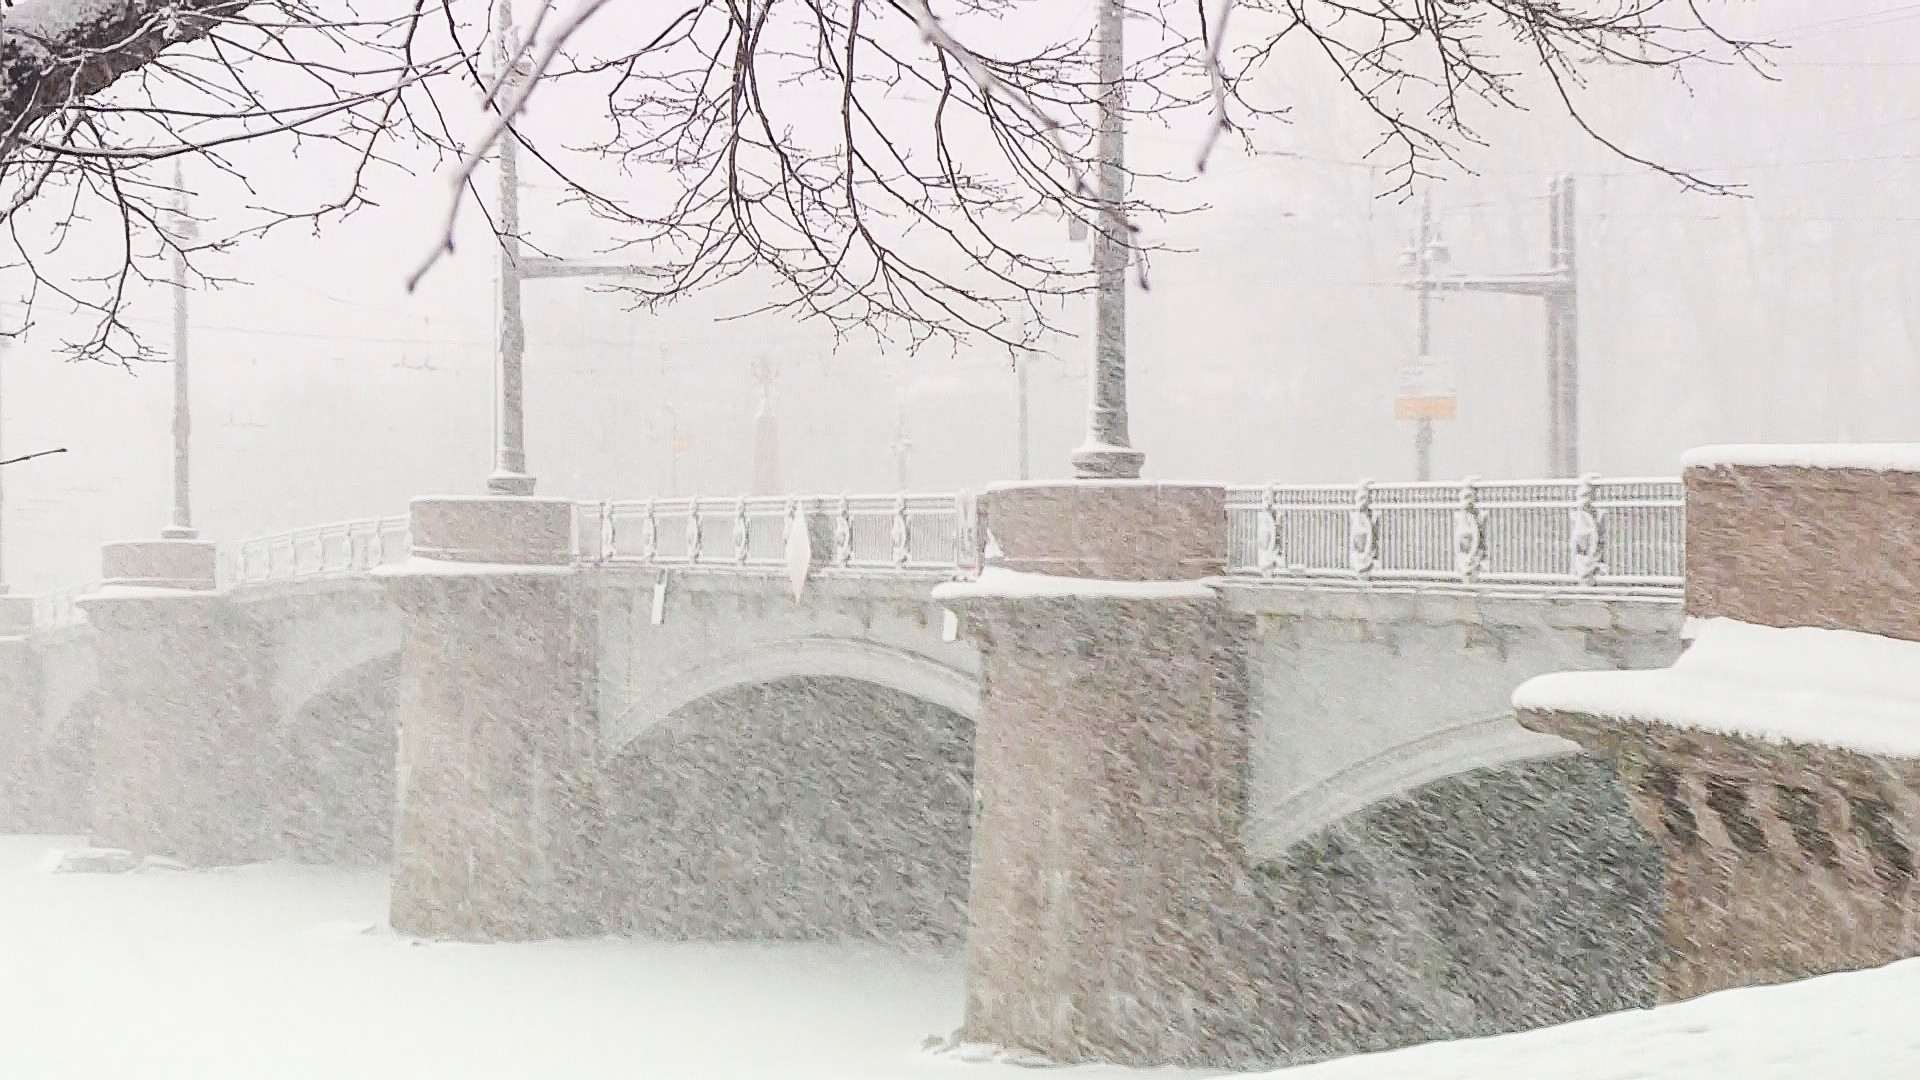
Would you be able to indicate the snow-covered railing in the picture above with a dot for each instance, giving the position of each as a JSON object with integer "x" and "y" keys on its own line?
{"x": 345, "y": 547}
{"x": 855, "y": 532}
{"x": 1590, "y": 532}
{"x": 1584, "y": 533}
{"x": 61, "y": 608}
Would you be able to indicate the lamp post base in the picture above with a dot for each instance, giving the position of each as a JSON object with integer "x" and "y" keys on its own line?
{"x": 509, "y": 483}
{"x": 1095, "y": 462}
{"x": 179, "y": 532}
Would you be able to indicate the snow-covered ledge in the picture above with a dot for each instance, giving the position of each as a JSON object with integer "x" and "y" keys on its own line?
{"x": 1780, "y": 768}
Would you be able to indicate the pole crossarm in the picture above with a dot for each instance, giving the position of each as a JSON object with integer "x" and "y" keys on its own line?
{"x": 1542, "y": 283}
{"x": 568, "y": 268}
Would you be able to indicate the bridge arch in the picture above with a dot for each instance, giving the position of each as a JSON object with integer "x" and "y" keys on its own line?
{"x": 1275, "y": 825}
{"x": 338, "y": 763}
{"x": 899, "y": 670}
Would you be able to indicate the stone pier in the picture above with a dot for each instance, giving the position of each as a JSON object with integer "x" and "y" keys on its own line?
{"x": 179, "y": 766}
{"x": 22, "y": 772}
{"x": 1111, "y": 907}
{"x": 496, "y": 725}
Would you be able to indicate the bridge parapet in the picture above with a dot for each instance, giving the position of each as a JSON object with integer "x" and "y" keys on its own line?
{"x": 1591, "y": 533}
{"x": 1585, "y": 533}
{"x": 917, "y": 533}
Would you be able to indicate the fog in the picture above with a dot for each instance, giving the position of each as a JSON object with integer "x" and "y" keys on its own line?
{"x": 808, "y": 784}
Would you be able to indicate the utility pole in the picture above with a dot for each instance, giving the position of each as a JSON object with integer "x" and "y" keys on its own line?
{"x": 1108, "y": 453}
{"x": 901, "y": 446}
{"x": 184, "y": 231}
{"x": 766, "y": 431}
{"x": 1423, "y": 322}
{"x": 1563, "y": 334}
{"x": 1026, "y": 446}
{"x": 1558, "y": 287}
{"x": 510, "y": 475}
{"x": 510, "y": 453}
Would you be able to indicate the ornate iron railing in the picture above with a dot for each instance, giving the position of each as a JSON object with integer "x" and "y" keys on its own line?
{"x": 346, "y": 547}
{"x": 61, "y": 608}
{"x": 921, "y": 533}
{"x": 1590, "y": 532}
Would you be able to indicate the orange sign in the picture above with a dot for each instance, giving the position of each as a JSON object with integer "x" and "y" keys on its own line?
{"x": 1426, "y": 390}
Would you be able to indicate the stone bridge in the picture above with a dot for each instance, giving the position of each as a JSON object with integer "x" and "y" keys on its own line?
{"x": 770, "y": 717}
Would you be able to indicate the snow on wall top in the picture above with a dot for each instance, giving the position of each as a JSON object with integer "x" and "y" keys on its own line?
{"x": 999, "y": 582}
{"x": 1880, "y": 457}
{"x": 1824, "y": 687}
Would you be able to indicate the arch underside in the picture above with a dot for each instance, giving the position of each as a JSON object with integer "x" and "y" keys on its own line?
{"x": 803, "y": 808}
{"x": 897, "y": 670}
{"x": 336, "y": 774}
{"x": 1276, "y": 825}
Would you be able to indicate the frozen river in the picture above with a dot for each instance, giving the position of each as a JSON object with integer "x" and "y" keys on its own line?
{"x": 287, "y": 973}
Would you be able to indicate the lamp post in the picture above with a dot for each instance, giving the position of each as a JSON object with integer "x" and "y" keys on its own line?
{"x": 510, "y": 475}
{"x": 1108, "y": 453}
{"x": 185, "y": 230}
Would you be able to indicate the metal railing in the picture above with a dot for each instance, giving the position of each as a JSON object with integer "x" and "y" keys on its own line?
{"x": 1587, "y": 533}
{"x": 920, "y": 533}
{"x": 61, "y": 608}
{"x": 346, "y": 547}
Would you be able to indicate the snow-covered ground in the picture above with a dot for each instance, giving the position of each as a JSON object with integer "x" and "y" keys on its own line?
{"x": 285, "y": 972}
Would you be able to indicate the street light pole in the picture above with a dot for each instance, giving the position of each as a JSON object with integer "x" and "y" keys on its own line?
{"x": 510, "y": 456}
{"x": 184, "y": 231}
{"x": 1423, "y": 433}
{"x": 1108, "y": 453}
{"x": 516, "y": 268}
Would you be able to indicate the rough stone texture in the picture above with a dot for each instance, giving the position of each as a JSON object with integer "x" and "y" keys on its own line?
{"x": 1113, "y": 917}
{"x": 1493, "y": 901}
{"x": 1116, "y": 530}
{"x": 808, "y": 809}
{"x": 66, "y": 714}
{"x": 1783, "y": 546}
{"x": 1783, "y": 861}
{"x": 23, "y": 772}
{"x": 181, "y": 761}
{"x": 513, "y": 530}
{"x": 496, "y": 764}
{"x": 162, "y": 564}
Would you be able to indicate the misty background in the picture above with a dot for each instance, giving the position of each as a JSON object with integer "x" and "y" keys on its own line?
{"x": 1266, "y": 349}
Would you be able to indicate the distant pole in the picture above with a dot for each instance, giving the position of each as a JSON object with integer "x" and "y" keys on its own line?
{"x": 510, "y": 458}
{"x": 1558, "y": 287}
{"x": 1563, "y": 334}
{"x": 902, "y": 446}
{"x": 766, "y": 433}
{"x": 1026, "y": 446}
{"x": 1108, "y": 453}
{"x": 1423, "y": 429}
{"x": 184, "y": 231}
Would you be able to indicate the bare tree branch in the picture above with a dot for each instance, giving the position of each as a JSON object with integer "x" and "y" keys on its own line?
{"x": 887, "y": 166}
